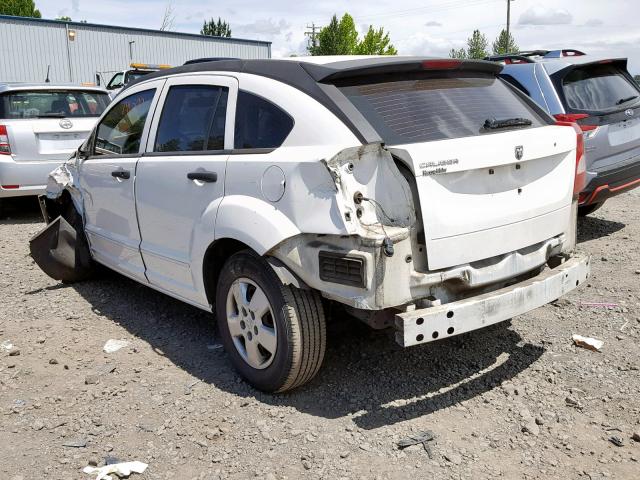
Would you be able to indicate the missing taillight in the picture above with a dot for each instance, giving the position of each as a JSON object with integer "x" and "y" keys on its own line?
{"x": 580, "y": 180}
{"x": 5, "y": 148}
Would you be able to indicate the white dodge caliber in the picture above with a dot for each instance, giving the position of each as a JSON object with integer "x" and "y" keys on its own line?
{"x": 423, "y": 195}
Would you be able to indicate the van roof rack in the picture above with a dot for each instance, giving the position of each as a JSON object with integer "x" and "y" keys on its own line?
{"x": 526, "y": 56}
{"x": 208, "y": 59}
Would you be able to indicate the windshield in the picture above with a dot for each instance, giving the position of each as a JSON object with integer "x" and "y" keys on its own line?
{"x": 436, "y": 106}
{"x": 132, "y": 76}
{"x": 598, "y": 87}
{"x": 52, "y": 103}
{"x": 116, "y": 81}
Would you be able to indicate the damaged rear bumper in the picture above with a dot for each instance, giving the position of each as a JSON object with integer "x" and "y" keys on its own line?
{"x": 434, "y": 323}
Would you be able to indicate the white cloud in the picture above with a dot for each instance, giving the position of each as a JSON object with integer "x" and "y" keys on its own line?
{"x": 433, "y": 23}
{"x": 264, "y": 27}
{"x": 594, "y": 22}
{"x": 424, "y": 44}
{"x": 545, "y": 16}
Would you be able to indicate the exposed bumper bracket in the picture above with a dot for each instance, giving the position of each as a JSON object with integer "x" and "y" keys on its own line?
{"x": 434, "y": 323}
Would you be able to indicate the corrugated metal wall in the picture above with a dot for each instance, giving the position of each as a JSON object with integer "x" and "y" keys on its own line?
{"x": 27, "y": 46}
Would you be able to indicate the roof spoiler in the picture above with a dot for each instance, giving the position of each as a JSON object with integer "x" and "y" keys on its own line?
{"x": 378, "y": 66}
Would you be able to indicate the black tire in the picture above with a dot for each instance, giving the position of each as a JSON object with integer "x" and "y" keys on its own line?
{"x": 1, "y": 208}
{"x": 298, "y": 317}
{"x": 588, "y": 209}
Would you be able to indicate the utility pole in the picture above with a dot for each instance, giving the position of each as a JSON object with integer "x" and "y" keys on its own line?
{"x": 312, "y": 34}
{"x": 508, "y": 23}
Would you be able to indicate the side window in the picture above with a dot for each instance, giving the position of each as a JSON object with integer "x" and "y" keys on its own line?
{"x": 120, "y": 130}
{"x": 117, "y": 81}
{"x": 193, "y": 119}
{"x": 259, "y": 123}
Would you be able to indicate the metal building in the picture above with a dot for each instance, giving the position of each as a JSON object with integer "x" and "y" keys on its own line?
{"x": 74, "y": 52}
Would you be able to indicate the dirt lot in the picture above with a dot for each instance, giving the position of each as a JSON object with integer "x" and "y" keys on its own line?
{"x": 511, "y": 402}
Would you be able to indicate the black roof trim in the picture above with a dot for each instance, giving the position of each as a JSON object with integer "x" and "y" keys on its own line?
{"x": 329, "y": 72}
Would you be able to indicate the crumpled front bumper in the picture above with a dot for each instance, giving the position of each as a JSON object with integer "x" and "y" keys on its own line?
{"x": 434, "y": 323}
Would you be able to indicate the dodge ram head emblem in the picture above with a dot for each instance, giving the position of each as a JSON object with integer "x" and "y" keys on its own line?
{"x": 629, "y": 112}
{"x": 519, "y": 152}
{"x": 66, "y": 123}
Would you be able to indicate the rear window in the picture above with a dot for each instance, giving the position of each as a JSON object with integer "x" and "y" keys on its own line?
{"x": 597, "y": 88}
{"x": 430, "y": 106}
{"x": 52, "y": 103}
{"x": 259, "y": 123}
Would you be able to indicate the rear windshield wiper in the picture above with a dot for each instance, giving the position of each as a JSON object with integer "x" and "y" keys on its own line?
{"x": 494, "y": 123}
{"x": 52, "y": 115}
{"x": 625, "y": 100}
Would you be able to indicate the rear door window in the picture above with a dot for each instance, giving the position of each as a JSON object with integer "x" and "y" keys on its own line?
{"x": 432, "y": 106}
{"x": 598, "y": 88}
{"x": 193, "y": 119}
{"x": 120, "y": 131}
{"x": 52, "y": 103}
{"x": 259, "y": 123}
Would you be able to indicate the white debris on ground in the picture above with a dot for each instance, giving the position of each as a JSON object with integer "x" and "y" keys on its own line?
{"x": 114, "y": 345}
{"x": 121, "y": 469}
{"x": 587, "y": 342}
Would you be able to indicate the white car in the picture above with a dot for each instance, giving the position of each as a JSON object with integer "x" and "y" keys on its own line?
{"x": 425, "y": 195}
{"x": 41, "y": 125}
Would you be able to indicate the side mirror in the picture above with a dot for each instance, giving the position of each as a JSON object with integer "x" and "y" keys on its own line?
{"x": 84, "y": 149}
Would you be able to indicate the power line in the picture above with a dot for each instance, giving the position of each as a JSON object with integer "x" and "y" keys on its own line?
{"x": 313, "y": 42}
{"x": 449, "y": 5}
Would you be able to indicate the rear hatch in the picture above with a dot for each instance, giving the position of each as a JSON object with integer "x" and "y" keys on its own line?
{"x": 45, "y": 125}
{"x": 605, "y": 100}
{"x": 493, "y": 172}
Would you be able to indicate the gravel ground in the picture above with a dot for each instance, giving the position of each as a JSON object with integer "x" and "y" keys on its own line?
{"x": 514, "y": 401}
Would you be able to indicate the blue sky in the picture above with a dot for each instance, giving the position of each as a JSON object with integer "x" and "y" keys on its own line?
{"x": 423, "y": 27}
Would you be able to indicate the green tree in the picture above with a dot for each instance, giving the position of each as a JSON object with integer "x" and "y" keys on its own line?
{"x": 19, "y": 8}
{"x": 337, "y": 38}
{"x": 216, "y": 29}
{"x": 340, "y": 37}
{"x": 505, "y": 44}
{"x": 376, "y": 42}
{"x": 458, "y": 53}
{"x": 64, "y": 18}
{"x": 477, "y": 45}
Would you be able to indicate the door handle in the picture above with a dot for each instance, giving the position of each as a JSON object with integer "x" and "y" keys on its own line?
{"x": 203, "y": 176}
{"x": 123, "y": 174}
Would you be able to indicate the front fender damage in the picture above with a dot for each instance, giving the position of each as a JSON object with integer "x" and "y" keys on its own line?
{"x": 61, "y": 249}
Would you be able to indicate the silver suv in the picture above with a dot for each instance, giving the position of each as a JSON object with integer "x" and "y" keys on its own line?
{"x": 40, "y": 126}
{"x": 602, "y": 97}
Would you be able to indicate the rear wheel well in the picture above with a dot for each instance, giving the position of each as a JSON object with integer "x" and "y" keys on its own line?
{"x": 214, "y": 260}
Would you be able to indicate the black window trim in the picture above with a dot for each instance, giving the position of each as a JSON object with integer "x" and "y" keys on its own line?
{"x": 235, "y": 151}
{"x": 176, "y": 153}
{"x": 259, "y": 150}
